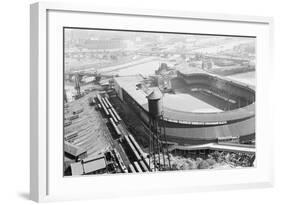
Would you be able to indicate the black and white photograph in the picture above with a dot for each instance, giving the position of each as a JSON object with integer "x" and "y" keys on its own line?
{"x": 149, "y": 101}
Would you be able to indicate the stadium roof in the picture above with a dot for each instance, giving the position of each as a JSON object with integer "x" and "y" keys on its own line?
{"x": 184, "y": 68}
{"x": 129, "y": 83}
{"x": 239, "y": 113}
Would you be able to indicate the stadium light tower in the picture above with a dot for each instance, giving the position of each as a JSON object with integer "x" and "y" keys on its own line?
{"x": 158, "y": 135}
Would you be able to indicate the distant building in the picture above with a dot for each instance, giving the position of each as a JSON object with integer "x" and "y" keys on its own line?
{"x": 104, "y": 44}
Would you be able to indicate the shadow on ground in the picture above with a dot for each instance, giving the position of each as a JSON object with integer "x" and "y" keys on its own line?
{"x": 24, "y": 195}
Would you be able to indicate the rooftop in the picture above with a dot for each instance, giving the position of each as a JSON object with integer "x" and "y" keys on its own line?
{"x": 72, "y": 149}
{"x": 94, "y": 165}
{"x": 129, "y": 83}
{"x": 76, "y": 168}
{"x": 89, "y": 165}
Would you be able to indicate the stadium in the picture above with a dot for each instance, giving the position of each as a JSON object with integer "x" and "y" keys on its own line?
{"x": 200, "y": 108}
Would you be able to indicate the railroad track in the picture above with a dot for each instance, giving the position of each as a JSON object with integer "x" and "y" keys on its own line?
{"x": 139, "y": 160}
